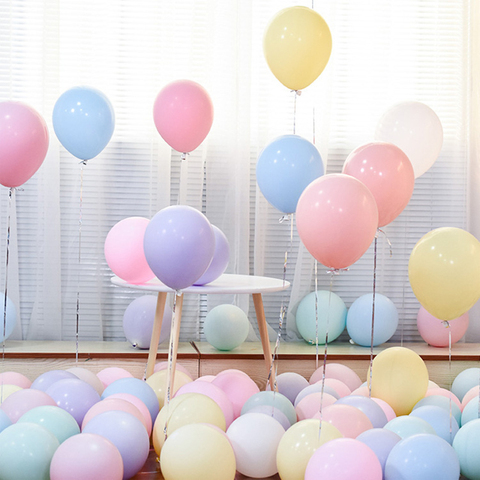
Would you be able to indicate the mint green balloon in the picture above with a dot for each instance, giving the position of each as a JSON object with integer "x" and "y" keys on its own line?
{"x": 226, "y": 327}
{"x": 26, "y": 452}
{"x": 273, "y": 399}
{"x": 466, "y": 443}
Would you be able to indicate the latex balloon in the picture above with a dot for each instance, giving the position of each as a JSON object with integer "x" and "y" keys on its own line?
{"x": 297, "y": 44}
{"x": 337, "y": 219}
{"x": 285, "y": 167}
{"x": 83, "y": 120}
{"x": 464, "y": 445}
{"x": 387, "y": 172}
{"x": 159, "y": 384}
{"x": 15, "y": 378}
{"x": 438, "y": 333}
{"x": 416, "y": 129}
{"x": 183, "y": 114}
{"x": 444, "y": 271}
{"x": 464, "y": 381}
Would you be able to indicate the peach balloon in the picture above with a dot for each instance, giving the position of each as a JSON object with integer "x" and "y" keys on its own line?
{"x": 340, "y": 372}
{"x": 350, "y": 421}
{"x": 309, "y": 406}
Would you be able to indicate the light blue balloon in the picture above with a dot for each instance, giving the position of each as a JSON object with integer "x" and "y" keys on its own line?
{"x": 464, "y": 381}
{"x": 441, "y": 401}
{"x": 444, "y": 425}
{"x": 466, "y": 444}
{"x": 273, "y": 399}
{"x": 405, "y": 426}
{"x": 285, "y": 168}
{"x": 7, "y": 327}
{"x": 315, "y": 388}
{"x": 26, "y": 452}
{"x": 359, "y": 320}
{"x": 422, "y": 457}
{"x": 4, "y": 420}
{"x": 331, "y": 309}
{"x": 83, "y": 120}
{"x": 226, "y": 327}
{"x": 470, "y": 412}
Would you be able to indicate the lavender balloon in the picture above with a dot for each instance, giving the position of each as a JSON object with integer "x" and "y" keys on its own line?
{"x": 43, "y": 381}
{"x": 179, "y": 244}
{"x": 368, "y": 406}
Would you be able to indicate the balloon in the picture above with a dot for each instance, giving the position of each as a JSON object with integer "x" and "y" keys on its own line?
{"x": 464, "y": 381}
{"x": 178, "y": 367}
{"x": 416, "y": 129}
{"x": 445, "y": 393}
{"x": 179, "y": 244}
{"x": 272, "y": 412}
{"x": 16, "y": 404}
{"x": 127, "y": 433}
{"x": 87, "y": 456}
{"x": 140, "y": 406}
{"x": 445, "y": 426}
{"x": 297, "y": 44}
{"x": 340, "y": 372}
{"x": 422, "y": 457}
{"x": 406, "y": 426}
{"x": 331, "y": 313}
{"x": 158, "y": 382}
{"x": 83, "y": 120}
{"x": 183, "y": 114}
{"x": 443, "y": 272}
{"x": 138, "y": 320}
{"x": 274, "y": 399}
{"x": 124, "y": 250}
{"x": 5, "y": 421}
{"x": 15, "y": 378}
{"x": 220, "y": 259}
{"x": 372, "y": 410}
{"x": 6, "y": 328}
{"x": 285, "y": 167}
{"x": 316, "y": 388}
{"x": 387, "y": 409}
{"x": 89, "y": 377}
{"x": 6, "y": 390}
{"x": 226, "y": 327}
{"x": 27, "y": 450}
{"x": 472, "y": 393}
{"x": 309, "y": 406}
{"x": 349, "y": 420}
{"x": 359, "y": 320}
{"x": 255, "y": 438}
{"x": 441, "y": 401}
{"x": 110, "y": 374}
{"x": 44, "y": 380}
{"x": 399, "y": 377}
{"x": 197, "y": 451}
{"x": 23, "y": 143}
{"x": 54, "y": 419}
{"x": 470, "y": 411}
{"x": 344, "y": 459}
{"x": 387, "y": 172}
{"x": 465, "y": 445}
{"x": 290, "y": 384}
{"x": 298, "y": 445}
{"x": 337, "y": 219}
{"x": 438, "y": 333}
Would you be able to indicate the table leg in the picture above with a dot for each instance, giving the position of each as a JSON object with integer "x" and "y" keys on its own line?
{"x": 262, "y": 328}
{"x": 157, "y": 327}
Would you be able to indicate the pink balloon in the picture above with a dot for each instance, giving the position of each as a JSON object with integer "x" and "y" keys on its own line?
{"x": 387, "y": 409}
{"x": 472, "y": 393}
{"x": 362, "y": 390}
{"x": 436, "y": 332}
{"x": 23, "y": 143}
{"x": 337, "y": 219}
{"x": 183, "y": 114}
{"x": 124, "y": 250}
{"x": 18, "y": 403}
{"x": 205, "y": 378}
{"x": 110, "y": 374}
{"x": 344, "y": 459}
{"x": 14, "y": 378}
{"x": 445, "y": 393}
{"x": 340, "y": 387}
{"x": 340, "y": 372}
{"x": 140, "y": 405}
{"x": 349, "y": 420}
{"x": 87, "y": 456}
{"x": 309, "y": 406}
{"x": 387, "y": 172}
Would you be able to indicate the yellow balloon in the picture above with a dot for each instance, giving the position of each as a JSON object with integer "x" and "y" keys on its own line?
{"x": 298, "y": 445}
{"x": 444, "y": 272}
{"x": 6, "y": 390}
{"x": 158, "y": 381}
{"x": 183, "y": 410}
{"x": 400, "y": 378}
{"x": 198, "y": 451}
{"x": 297, "y": 45}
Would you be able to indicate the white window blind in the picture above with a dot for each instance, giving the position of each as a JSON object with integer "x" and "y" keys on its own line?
{"x": 384, "y": 52}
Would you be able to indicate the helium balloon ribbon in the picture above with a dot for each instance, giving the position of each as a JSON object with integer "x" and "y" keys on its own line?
{"x": 297, "y": 94}
{"x": 316, "y": 315}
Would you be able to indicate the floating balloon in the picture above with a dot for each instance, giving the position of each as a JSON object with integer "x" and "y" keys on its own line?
{"x": 7, "y": 327}
{"x": 297, "y": 45}
{"x": 387, "y": 172}
{"x": 183, "y": 114}
{"x": 179, "y": 244}
{"x": 416, "y": 129}
{"x": 23, "y": 143}
{"x": 285, "y": 168}
{"x": 443, "y": 272}
{"x": 83, "y": 120}
{"x": 337, "y": 219}
{"x": 438, "y": 333}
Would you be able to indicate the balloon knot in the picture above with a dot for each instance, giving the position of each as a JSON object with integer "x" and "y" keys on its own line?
{"x": 83, "y": 162}
{"x": 297, "y": 92}
{"x": 386, "y": 238}
{"x": 337, "y": 271}
{"x": 283, "y": 218}
{"x": 184, "y": 156}
{"x": 446, "y": 324}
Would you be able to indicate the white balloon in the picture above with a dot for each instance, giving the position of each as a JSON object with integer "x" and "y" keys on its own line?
{"x": 416, "y": 129}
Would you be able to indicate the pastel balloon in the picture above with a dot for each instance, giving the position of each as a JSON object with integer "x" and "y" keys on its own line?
{"x": 89, "y": 377}
{"x": 178, "y": 367}
{"x": 472, "y": 393}
{"x": 340, "y": 372}
{"x": 140, "y": 406}
{"x": 83, "y": 120}
{"x": 359, "y": 320}
{"x": 368, "y": 406}
{"x": 310, "y": 405}
{"x": 44, "y": 380}
{"x": 87, "y": 456}
{"x": 349, "y": 420}
{"x": 15, "y": 378}
{"x": 110, "y": 374}
{"x": 285, "y": 167}
{"x": 464, "y": 381}
{"x": 337, "y": 219}
{"x": 23, "y": 143}
{"x": 470, "y": 411}
{"x": 329, "y": 316}
{"x": 407, "y": 425}
{"x": 444, "y": 392}
{"x": 183, "y": 114}
{"x": 124, "y": 250}
{"x": 443, "y": 423}
{"x": 316, "y": 388}
{"x": 274, "y": 399}
{"x": 6, "y": 390}
{"x": 6, "y": 328}
{"x": 297, "y": 44}
{"x": 21, "y": 401}
{"x": 290, "y": 384}
{"x": 416, "y": 129}
{"x": 444, "y": 402}
{"x": 465, "y": 444}
{"x": 226, "y": 327}
{"x": 439, "y": 333}
{"x": 179, "y": 244}
{"x": 158, "y": 382}
{"x": 5, "y": 421}
{"x": 272, "y": 412}
{"x": 387, "y": 409}
{"x": 443, "y": 272}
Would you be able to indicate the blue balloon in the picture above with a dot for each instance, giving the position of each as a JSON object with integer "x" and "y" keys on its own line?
{"x": 6, "y": 328}
{"x": 445, "y": 425}
{"x": 464, "y": 381}
{"x": 272, "y": 399}
{"x": 466, "y": 444}
{"x": 359, "y": 320}
{"x": 331, "y": 309}
{"x": 441, "y": 401}
{"x": 285, "y": 168}
{"x": 83, "y": 120}
{"x": 369, "y": 407}
{"x": 470, "y": 411}
{"x": 4, "y": 420}
{"x": 406, "y": 426}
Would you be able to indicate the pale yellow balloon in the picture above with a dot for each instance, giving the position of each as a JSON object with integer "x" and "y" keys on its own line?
{"x": 197, "y": 451}
{"x": 158, "y": 382}
{"x": 400, "y": 378}
{"x": 444, "y": 272}
{"x": 297, "y": 45}
{"x": 299, "y": 443}
{"x": 6, "y": 390}
{"x": 88, "y": 377}
{"x": 183, "y": 410}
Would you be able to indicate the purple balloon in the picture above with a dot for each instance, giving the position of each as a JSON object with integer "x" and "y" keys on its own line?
{"x": 273, "y": 412}
{"x": 290, "y": 384}
{"x": 381, "y": 441}
{"x": 220, "y": 260}
{"x": 315, "y": 388}
{"x": 368, "y": 406}
{"x": 43, "y": 381}
{"x": 75, "y": 396}
{"x": 179, "y": 244}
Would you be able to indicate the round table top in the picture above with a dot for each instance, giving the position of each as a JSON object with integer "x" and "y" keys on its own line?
{"x": 226, "y": 283}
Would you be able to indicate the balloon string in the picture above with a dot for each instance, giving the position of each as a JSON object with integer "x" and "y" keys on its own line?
{"x": 316, "y": 315}
{"x": 297, "y": 94}
{"x": 447, "y": 324}
{"x": 80, "y": 219}
{"x": 373, "y": 314}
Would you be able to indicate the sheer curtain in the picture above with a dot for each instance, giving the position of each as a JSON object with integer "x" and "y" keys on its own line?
{"x": 383, "y": 52}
